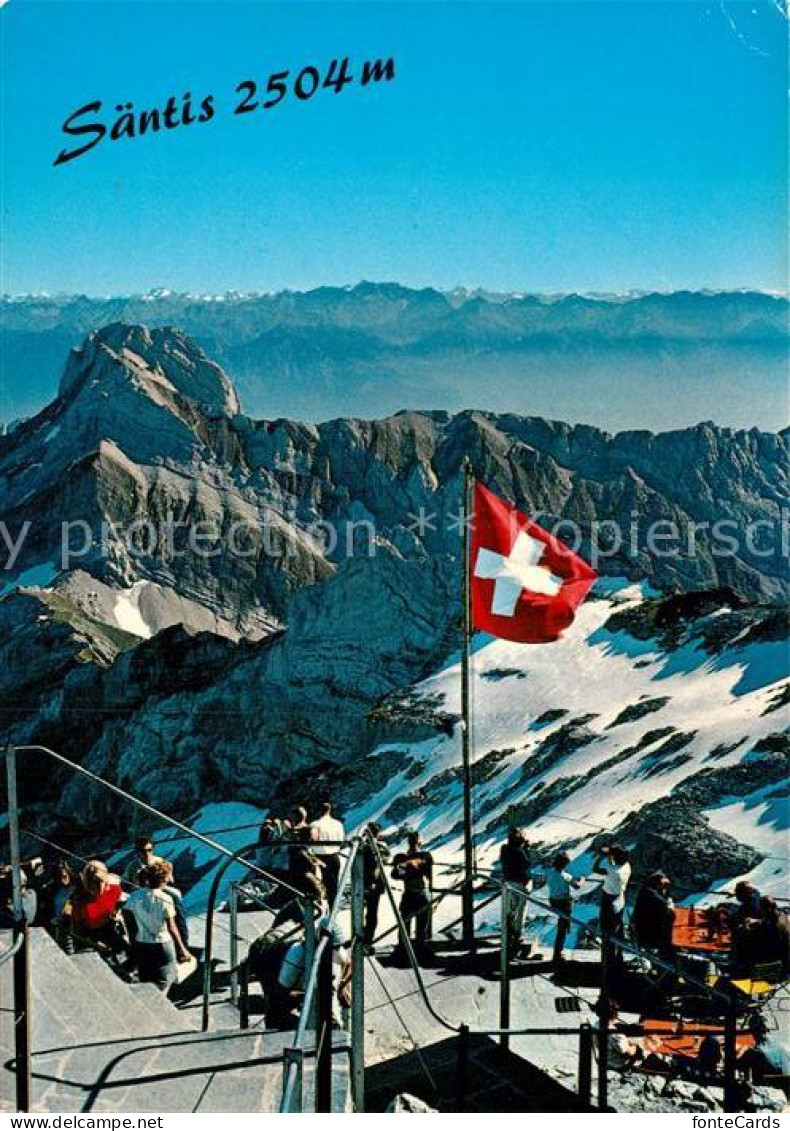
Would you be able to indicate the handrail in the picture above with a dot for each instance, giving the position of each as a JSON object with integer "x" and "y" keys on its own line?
{"x": 603, "y": 936}
{"x": 617, "y": 942}
{"x": 146, "y": 808}
{"x": 216, "y": 847}
{"x": 238, "y": 857}
{"x": 290, "y": 1071}
{"x": 16, "y": 945}
{"x": 208, "y": 937}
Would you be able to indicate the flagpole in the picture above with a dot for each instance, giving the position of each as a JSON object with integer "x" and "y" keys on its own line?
{"x": 467, "y": 907}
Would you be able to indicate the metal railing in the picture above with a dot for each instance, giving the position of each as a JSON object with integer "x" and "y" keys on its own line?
{"x": 21, "y": 950}
{"x": 609, "y": 943}
{"x": 317, "y": 1006}
{"x": 240, "y": 856}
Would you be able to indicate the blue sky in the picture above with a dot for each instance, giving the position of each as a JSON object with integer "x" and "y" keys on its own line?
{"x": 587, "y": 144}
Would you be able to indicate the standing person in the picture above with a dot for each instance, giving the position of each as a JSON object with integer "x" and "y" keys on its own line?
{"x": 178, "y": 903}
{"x": 748, "y": 901}
{"x": 374, "y": 881}
{"x": 143, "y": 858}
{"x": 415, "y": 868}
{"x": 158, "y": 946}
{"x": 653, "y": 916}
{"x": 329, "y": 829}
{"x": 614, "y": 865}
{"x": 305, "y": 873}
{"x": 297, "y": 822}
{"x": 560, "y": 884}
{"x": 516, "y": 864}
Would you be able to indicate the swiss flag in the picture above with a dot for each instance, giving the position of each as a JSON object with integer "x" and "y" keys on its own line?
{"x": 526, "y": 585}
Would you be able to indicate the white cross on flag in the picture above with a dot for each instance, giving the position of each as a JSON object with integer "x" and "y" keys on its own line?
{"x": 526, "y": 585}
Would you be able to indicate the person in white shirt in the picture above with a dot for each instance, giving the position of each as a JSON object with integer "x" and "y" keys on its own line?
{"x": 560, "y": 884}
{"x": 327, "y": 828}
{"x": 158, "y": 946}
{"x": 614, "y": 865}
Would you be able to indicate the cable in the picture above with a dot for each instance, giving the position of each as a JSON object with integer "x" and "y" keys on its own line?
{"x": 406, "y": 1029}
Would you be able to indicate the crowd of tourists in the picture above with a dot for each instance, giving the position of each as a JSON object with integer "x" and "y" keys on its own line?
{"x": 136, "y": 919}
{"x": 756, "y": 929}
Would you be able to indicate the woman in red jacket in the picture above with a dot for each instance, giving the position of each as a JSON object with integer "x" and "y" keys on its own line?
{"x": 95, "y": 907}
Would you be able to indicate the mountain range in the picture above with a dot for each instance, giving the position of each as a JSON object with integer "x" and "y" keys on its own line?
{"x": 319, "y": 653}
{"x": 641, "y": 360}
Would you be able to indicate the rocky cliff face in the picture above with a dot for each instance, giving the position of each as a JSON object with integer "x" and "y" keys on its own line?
{"x": 159, "y": 479}
{"x": 284, "y": 658}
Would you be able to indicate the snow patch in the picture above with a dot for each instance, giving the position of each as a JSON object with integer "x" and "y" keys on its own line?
{"x": 127, "y": 611}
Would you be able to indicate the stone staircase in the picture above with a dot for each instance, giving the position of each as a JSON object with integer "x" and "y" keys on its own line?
{"x": 102, "y": 1045}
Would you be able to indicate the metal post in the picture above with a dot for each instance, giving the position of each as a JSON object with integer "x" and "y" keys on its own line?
{"x": 233, "y": 907}
{"x": 504, "y": 969}
{"x": 463, "y": 1065}
{"x": 358, "y": 981}
{"x": 293, "y": 1059}
{"x": 22, "y": 955}
{"x": 308, "y": 916}
{"x": 467, "y": 904}
{"x": 730, "y": 1051}
{"x": 22, "y": 975}
{"x": 585, "y": 1063}
{"x": 323, "y": 1030}
{"x": 603, "y": 1026}
{"x": 244, "y": 996}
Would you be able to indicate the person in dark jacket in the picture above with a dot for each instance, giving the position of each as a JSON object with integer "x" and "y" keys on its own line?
{"x": 374, "y": 881}
{"x": 653, "y": 916}
{"x": 516, "y": 864}
{"x": 773, "y": 935}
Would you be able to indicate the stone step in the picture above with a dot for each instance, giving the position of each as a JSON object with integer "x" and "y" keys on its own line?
{"x": 176, "y": 1018}
{"x": 231, "y": 1072}
{"x": 66, "y": 1006}
{"x": 136, "y": 1014}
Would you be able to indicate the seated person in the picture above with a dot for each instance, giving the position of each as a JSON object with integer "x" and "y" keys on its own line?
{"x": 709, "y": 1056}
{"x": 624, "y": 1052}
{"x": 734, "y": 914}
{"x": 94, "y": 909}
{"x": 28, "y": 871}
{"x": 143, "y": 857}
{"x": 54, "y": 901}
{"x": 768, "y": 1061}
{"x": 178, "y": 902}
{"x": 292, "y": 971}
{"x": 264, "y": 961}
{"x": 773, "y": 936}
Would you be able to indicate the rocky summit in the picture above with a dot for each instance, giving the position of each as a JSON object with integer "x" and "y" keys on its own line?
{"x": 203, "y": 606}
